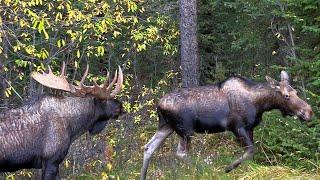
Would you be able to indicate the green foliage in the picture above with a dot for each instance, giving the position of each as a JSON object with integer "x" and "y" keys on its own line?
{"x": 40, "y": 32}
{"x": 229, "y": 37}
{"x": 287, "y": 141}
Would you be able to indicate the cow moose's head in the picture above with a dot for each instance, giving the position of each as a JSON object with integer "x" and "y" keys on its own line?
{"x": 291, "y": 103}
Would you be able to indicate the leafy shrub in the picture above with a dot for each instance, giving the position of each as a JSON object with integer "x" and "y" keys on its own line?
{"x": 287, "y": 141}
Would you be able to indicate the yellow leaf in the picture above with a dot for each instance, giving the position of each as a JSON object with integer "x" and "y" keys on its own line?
{"x": 116, "y": 33}
{"x": 49, "y": 7}
{"x": 10, "y": 177}
{"x": 67, "y": 164}
{"x": 59, "y": 43}
{"x": 58, "y": 16}
{"x": 76, "y": 64}
{"x": 80, "y": 38}
{"x": 46, "y": 36}
{"x": 78, "y": 54}
{"x": 104, "y": 176}
{"x": 6, "y": 93}
{"x": 135, "y": 20}
{"x": 100, "y": 50}
{"x": 109, "y": 166}
{"x": 63, "y": 42}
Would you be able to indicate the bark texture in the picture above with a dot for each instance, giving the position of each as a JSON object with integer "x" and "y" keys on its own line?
{"x": 189, "y": 43}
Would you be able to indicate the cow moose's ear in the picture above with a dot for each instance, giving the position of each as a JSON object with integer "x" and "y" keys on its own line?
{"x": 284, "y": 77}
{"x": 273, "y": 83}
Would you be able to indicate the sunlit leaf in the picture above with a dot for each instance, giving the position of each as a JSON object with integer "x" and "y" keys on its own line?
{"x": 78, "y": 53}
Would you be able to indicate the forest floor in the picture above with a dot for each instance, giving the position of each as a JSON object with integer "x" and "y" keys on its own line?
{"x": 204, "y": 163}
{"x": 204, "y": 167}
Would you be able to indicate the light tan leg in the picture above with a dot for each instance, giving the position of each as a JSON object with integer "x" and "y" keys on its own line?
{"x": 153, "y": 145}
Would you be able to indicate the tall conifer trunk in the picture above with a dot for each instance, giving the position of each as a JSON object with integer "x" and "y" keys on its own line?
{"x": 189, "y": 43}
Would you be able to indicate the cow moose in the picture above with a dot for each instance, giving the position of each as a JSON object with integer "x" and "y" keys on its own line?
{"x": 39, "y": 135}
{"x": 235, "y": 104}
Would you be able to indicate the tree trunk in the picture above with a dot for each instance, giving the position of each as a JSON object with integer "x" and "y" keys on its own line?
{"x": 189, "y": 43}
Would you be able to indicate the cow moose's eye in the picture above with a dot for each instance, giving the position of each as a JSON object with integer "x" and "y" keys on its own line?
{"x": 287, "y": 97}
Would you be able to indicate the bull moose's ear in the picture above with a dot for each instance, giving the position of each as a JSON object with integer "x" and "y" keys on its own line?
{"x": 272, "y": 82}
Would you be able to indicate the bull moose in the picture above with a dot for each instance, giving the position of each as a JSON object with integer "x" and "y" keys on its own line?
{"x": 235, "y": 104}
{"x": 39, "y": 135}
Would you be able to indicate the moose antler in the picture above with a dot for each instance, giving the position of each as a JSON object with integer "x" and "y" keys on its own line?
{"x": 103, "y": 91}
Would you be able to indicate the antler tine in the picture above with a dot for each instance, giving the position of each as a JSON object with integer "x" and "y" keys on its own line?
{"x": 84, "y": 76}
{"x": 62, "y": 69}
{"x": 118, "y": 87}
{"x": 103, "y": 92}
{"x": 50, "y": 70}
{"x": 82, "y": 90}
{"x": 107, "y": 80}
{"x": 95, "y": 82}
{"x": 108, "y": 89}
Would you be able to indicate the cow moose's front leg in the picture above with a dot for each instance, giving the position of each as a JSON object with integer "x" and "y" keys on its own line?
{"x": 245, "y": 138}
{"x": 241, "y": 140}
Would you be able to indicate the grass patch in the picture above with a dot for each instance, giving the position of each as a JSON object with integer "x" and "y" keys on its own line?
{"x": 275, "y": 172}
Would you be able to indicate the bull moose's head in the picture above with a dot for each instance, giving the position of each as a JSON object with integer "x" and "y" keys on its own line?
{"x": 292, "y": 104}
{"x": 107, "y": 106}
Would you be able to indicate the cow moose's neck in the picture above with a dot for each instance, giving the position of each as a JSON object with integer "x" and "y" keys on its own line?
{"x": 262, "y": 95}
{"x": 267, "y": 99}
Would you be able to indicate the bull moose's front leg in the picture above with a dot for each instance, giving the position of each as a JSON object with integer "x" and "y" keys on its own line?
{"x": 245, "y": 138}
{"x": 50, "y": 168}
{"x": 56, "y": 151}
{"x": 50, "y": 171}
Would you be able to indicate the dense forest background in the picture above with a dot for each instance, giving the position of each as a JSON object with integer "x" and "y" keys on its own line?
{"x": 250, "y": 38}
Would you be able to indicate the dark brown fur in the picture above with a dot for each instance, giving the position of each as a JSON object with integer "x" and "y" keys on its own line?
{"x": 39, "y": 135}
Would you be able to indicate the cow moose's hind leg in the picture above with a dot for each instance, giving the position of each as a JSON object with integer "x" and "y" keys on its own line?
{"x": 153, "y": 145}
{"x": 183, "y": 147}
{"x": 244, "y": 136}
